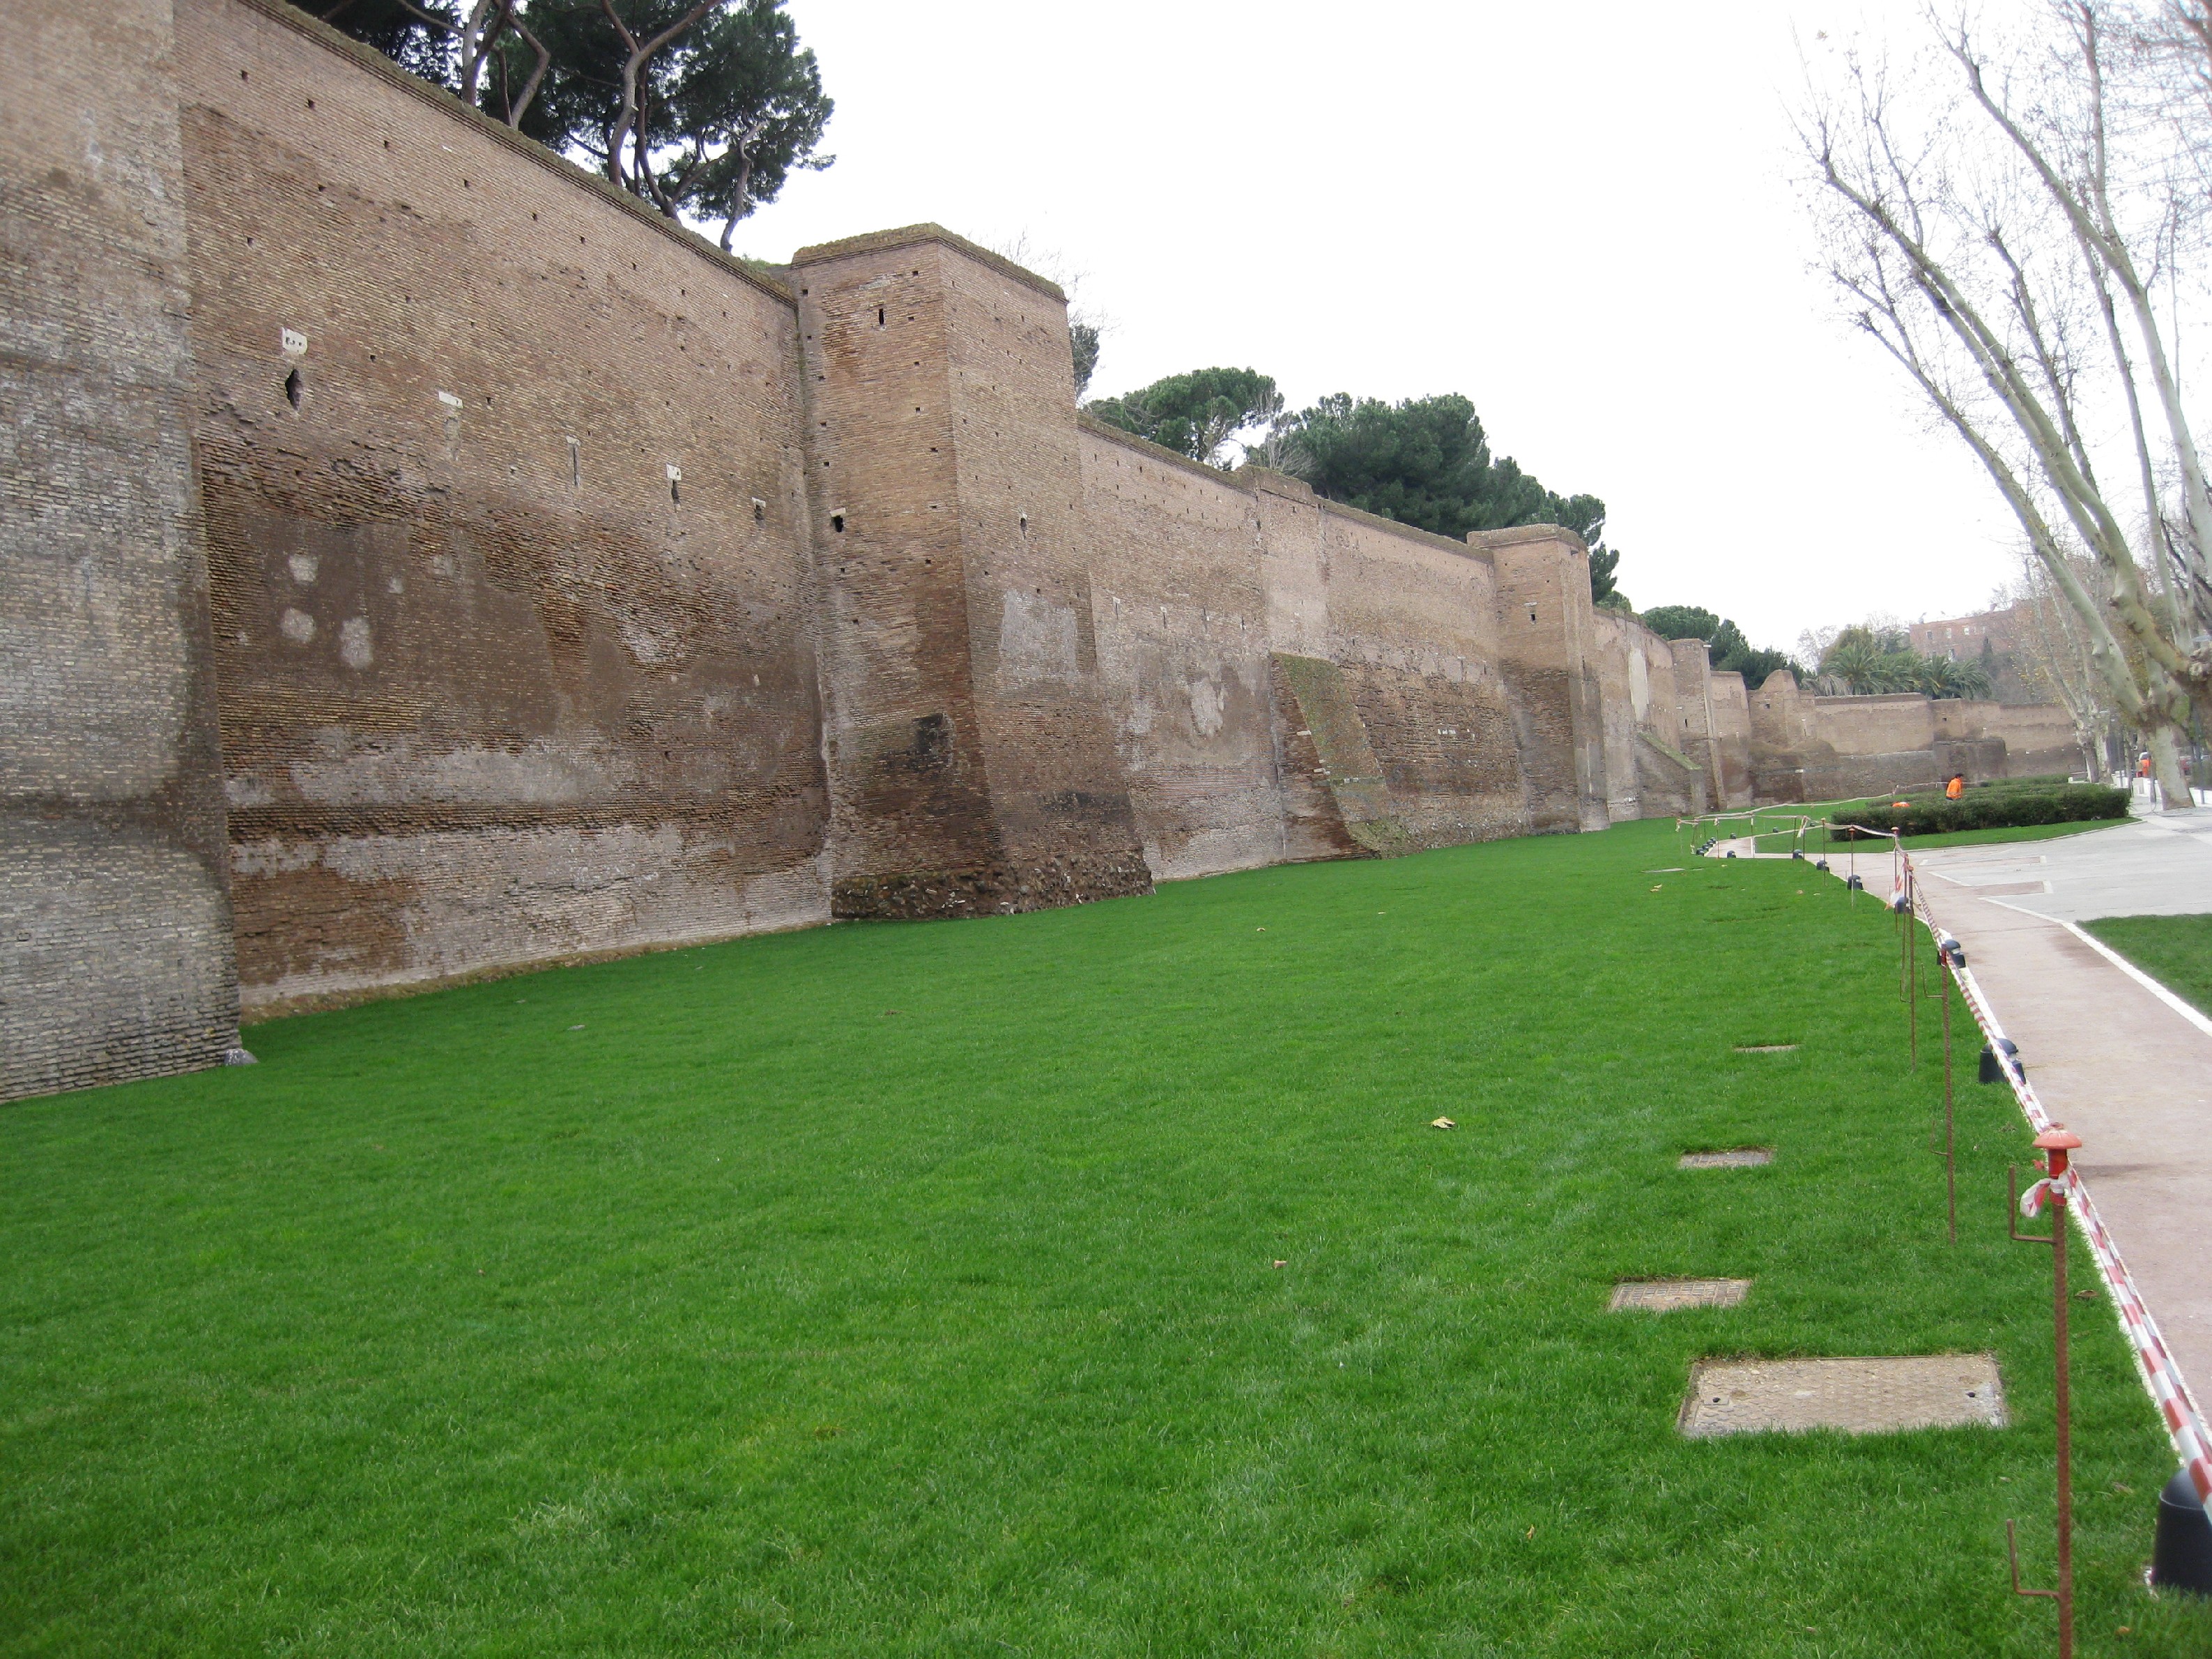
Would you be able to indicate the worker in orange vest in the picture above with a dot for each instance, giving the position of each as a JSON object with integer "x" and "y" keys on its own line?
{"x": 1956, "y": 787}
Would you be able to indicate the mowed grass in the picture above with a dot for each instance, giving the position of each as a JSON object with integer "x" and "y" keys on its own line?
{"x": 2175, "y": 950}
{"x": 914, "y": 1289}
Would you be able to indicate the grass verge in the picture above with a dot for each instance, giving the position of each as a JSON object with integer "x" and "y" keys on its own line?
{"x": 1081, "y": 1283}
{"x": 2175, "y": 950}
{"x": 1783, "y": 842}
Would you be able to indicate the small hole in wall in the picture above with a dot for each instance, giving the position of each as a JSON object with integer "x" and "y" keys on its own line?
{"x": 879, "y": 316}
{"x": 760, "y": 510}
{"x": 1532, "y": 613}
{"x": 675, "y": 490}
{"x": 1025, "y": 524}
{"x": 838, "y": 522}
{"x": 294, "y": 388}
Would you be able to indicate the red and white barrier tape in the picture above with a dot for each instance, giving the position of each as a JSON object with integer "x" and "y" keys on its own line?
{"x": 2067, "y": 1186}
{"x": 2185, "y": 1424}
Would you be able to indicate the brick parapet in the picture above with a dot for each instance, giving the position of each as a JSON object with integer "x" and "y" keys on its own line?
{"x": 370, "y": 61}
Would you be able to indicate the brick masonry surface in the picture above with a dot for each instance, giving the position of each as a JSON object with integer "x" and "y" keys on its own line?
{"x": 115, "y": 960}
{"x": 423, "y": 562}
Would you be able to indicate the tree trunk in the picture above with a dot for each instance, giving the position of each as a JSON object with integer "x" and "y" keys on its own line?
{"x": 2165, "y": 746}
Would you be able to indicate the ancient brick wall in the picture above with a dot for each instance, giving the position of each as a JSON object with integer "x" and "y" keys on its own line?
{"x": 1545, "y": 650}
{"x": 1618, "y": 721}
{"x": 1648, "y": 771}
{"x": 1700, "y": 722}
{"x": 1413, "y": 626}
{"x": 497, "y": 576}
{"x": 974, "y": 762}
{"x": 2020, "y": 740}
{"x": 1179, "y": 609}
{"x": 115, "y": 944}
{"x": 1731, "y": 708}
{"x": 1882, "y": 725}
{"x": 1809, "y": 748}
{"x": 508, "y": 532}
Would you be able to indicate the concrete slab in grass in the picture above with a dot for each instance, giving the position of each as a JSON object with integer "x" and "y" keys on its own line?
{"x": 1667, "y": 1295}
{"x": 1859, "y": 1396}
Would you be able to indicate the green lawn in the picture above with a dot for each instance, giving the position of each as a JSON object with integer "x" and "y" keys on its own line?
{"x": 2175, "y": 950}
{"x": 912, "y": 1289}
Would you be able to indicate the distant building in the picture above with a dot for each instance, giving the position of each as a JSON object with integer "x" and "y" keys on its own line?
{"x": 1960, "y": 638}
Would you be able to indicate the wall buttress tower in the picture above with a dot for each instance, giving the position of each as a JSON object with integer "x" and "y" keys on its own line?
{"x": 971, "y": 763}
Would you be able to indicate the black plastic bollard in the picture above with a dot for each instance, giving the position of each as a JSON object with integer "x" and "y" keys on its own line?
{"x": 2181, "y": 1553}
{"x": 1993, "y": 1072}
{"x": 1852, "y": 884}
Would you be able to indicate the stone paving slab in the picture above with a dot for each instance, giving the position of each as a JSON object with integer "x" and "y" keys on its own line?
{"x": 1883, "y": 1395}
{"x": 1735, "y": 1157}
{"x": 1671, "y": 1295}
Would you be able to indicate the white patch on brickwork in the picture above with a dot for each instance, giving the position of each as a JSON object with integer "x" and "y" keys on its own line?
{"x": 297, "y": 626}
{"x": 247, "y": 791}
{"x": 1205, "y": 702}
{"x": 293, "y": 341}
{"x": 1036, "y": 639}
{"x": 273, "y": 857}
{"x": 1639, "y": 684}
{"x": 643, "y": 645}
{"x": 303, "y": 567}
{"x": 543, "y": 774}
{"x": 353, "y": 643}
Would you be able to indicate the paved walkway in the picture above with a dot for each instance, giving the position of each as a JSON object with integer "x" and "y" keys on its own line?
{"x": 2129, "y": 1070}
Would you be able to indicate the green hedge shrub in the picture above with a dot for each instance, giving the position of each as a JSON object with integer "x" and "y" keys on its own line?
{"x": 1991, "y": 809}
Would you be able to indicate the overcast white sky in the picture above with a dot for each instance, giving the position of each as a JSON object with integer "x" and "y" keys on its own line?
{"x": 1580, "y": 216}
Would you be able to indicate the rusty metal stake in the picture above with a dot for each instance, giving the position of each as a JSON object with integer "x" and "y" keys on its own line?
{"x": 2055, "y": 1143}
{"x": 1912, "y": 968}
{"x": 1950, "y": 1129}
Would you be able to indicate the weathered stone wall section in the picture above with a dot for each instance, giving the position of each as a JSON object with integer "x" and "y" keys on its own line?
{"x": 2019, "y": 740}
{"x": 1412, "y": 625}
{"x": 1178, "y": 606}
{"x": 1812, "y": 748}
{"x": 912, "y": 831}
{"x": 1547, "y": 648}
{"x": 115, "y": 928}
{"x": 507, "y": 537}
{"x": 974, "y": 762}
{"x": 1058, "y": 793}
{"x": 1731, "y": 710}
{"x": 1693, "y": 711}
